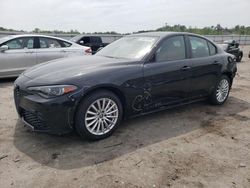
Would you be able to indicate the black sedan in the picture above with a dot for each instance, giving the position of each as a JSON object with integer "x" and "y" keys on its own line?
{"x": 135, "y": 75}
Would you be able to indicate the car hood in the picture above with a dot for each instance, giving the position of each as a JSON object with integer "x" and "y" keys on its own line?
{"x": 61, "y": 69}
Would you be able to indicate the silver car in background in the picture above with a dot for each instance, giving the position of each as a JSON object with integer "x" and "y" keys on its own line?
{"x": 19, "y": 52}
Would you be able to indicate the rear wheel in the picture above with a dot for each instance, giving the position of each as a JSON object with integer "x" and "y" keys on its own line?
{"x": 98, "y": 115}
{"x": 221, "y": 92}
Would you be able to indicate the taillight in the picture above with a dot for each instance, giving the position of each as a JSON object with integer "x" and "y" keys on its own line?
{"x": 88, "y": 51}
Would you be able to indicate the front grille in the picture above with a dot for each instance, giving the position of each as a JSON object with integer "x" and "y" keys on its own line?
{"x": 35, "y": 120}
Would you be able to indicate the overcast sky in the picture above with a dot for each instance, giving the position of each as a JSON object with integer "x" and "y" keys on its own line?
{"x": 121, "y": 16}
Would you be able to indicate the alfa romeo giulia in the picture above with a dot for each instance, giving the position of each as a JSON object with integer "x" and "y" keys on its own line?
{"x": 135, "y": 75}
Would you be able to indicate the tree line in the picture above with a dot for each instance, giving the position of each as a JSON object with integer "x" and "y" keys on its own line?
{"x": 37, "y": 30}
{"x": 211, "y": 30}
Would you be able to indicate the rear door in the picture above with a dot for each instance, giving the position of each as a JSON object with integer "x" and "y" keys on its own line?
{"x": 167, "y": 76}
{"x": 20, "y": 56}
{"x": 206, "y": 66}
{"x": 70, "y": 49}
{"x": 49, "y": 49}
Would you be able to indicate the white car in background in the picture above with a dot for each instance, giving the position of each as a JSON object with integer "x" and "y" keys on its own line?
{"x": 19, "y": 52}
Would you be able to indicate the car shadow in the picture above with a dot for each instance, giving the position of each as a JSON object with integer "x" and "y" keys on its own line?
{"x": 69, "y": 151}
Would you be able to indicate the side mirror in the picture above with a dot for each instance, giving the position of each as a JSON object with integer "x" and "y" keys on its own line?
{"x": 81, "y": 42}
{"x": 4, "y": 48}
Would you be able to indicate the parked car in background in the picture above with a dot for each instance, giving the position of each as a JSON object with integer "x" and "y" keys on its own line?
{"x": 19, "y": 52}
{"x": 232, "y": 47}
{"x": 135, "y": 75}
{"x": 94, "y": 42}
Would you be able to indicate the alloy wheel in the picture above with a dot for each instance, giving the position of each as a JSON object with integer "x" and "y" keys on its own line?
{"x": 222, "y": 90}
{"x": 101, "y": 116}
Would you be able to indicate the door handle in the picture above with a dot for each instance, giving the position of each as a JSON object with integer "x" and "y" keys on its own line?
{"x": 185, "y": 68}
{"x": 63, "y": 51}
{"x": 29, "y": 52}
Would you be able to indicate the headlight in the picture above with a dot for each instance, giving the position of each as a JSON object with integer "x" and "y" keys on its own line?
{"x": 53, "y": 91}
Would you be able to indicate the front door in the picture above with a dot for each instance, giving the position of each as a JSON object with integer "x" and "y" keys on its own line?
{"x": 167, "y": 76}
{"x": 20, "y": 56}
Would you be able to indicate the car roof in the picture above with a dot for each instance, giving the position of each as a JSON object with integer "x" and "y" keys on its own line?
{"x": 162, "y": 34}
{"x": 9, "y": 37}
{"x": 77, "y": 37}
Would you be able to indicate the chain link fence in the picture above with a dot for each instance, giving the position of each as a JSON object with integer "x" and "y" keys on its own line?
{"x": 242, "y": 39}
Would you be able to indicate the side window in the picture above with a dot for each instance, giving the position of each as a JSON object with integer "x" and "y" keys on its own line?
{"x": 15, "y": 44}
{"x": 171, "y": 49}
{"x": 212, "y": 49}
{"x": 49, "y": 43}
{"x": 86, "y": 40}
{"x": 30, "y": 43}
{"x": 21, "y": 43}
{"x": 43, "y": 43}
{"x": 199, "y": 47}
{"x": 93, "y": 39}
{"x": 96, "y": 40}
{"x": 99, "y": 39}
{"x": 66, "y": 44}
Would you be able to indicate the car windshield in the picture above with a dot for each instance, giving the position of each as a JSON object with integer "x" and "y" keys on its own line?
{"x": 4, "y": 39}
{"x": 132, "y": 47}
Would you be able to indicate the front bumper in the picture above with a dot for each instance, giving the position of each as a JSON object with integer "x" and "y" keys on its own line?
{"x": 55, "y": 115}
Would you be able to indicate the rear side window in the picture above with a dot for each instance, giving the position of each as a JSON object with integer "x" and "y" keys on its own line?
{"x": 96, "y": 40}
{"x": 66, "y": 44}
{"x": 21, "y": 43}
{"x": 171, "y": 49}
{"x": 49, "y": 43}
{"x": 199, "y": 47}
{"x": 212, "y": 48}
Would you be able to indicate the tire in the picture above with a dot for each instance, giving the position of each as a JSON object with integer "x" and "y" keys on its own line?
{"x": 217, "y": 99}
{"x": 92, "y": 121}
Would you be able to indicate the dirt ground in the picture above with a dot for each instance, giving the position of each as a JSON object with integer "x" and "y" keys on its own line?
{"x": 198, "y": 145}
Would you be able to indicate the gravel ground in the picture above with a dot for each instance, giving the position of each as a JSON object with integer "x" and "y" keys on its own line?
{"x": 198, "y": 145}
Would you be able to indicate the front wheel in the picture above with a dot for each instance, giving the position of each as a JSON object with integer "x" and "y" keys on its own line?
{"x": 98, "y": 115}
{"x": 221, "y": 92}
